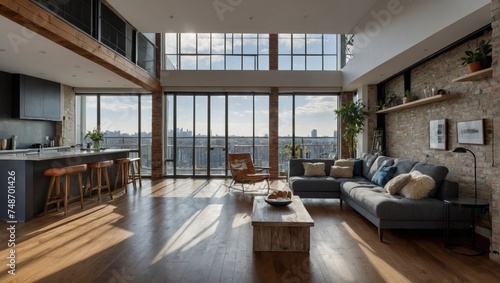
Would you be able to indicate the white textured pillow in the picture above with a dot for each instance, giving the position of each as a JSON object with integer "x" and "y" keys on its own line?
{"x": 418, "y": 187}
{"x": 314, "y": 169}
{"x": 341, "y": 171}
{"x": 397, "y": 183}
{"x": 344, "y": 162}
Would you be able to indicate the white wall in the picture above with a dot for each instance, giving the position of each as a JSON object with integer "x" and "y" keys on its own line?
{"x": 396, "y": 34}
{"x": 252, "y": 80}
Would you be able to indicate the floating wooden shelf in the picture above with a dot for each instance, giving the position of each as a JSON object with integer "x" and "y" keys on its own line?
{"x": 479, "y": 75}
{"x": 423, "y": 101}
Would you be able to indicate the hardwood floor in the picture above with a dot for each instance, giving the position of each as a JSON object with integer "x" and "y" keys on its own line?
{"x": 196, "y": 230}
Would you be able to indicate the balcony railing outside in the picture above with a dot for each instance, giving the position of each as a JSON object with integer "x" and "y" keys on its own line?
{"x": 186, "y": 164}
{"x": 131, "y": 143}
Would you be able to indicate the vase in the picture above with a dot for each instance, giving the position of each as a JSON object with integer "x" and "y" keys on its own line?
{"x": 97, "y": 144}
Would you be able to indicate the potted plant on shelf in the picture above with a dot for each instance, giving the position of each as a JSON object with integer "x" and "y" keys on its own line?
{"x": 484, "y": 50}
{"x": 472, "y": 60}
{"x": 479, "y": 58}
{"x": 353, "y": 115}
{"x": 96, "y": 135}
{"x": 408, "y": 96}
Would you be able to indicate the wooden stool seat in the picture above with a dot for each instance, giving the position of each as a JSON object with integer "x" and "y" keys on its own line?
{"x": 67, "y": 172}
{"x": 101, "y": 169}
{"x": 135, "y": 174}
{"x": 123, "y": 169}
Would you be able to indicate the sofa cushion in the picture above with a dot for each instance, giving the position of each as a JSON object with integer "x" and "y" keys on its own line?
{"x": 418, "y": 187}
{"x": 341, "y": 171}
{"x": 436, "y": 172}
{"x": 379, "y": 161}
{"x": 403, "y": 166}
{"x": 383, "y": 175}
{"x": 368, "y": 160}
{"x": 392, "y": 207}
{"x": 397, "y": 183}
{"x": 358, "y": 167}
{"x": 313, "y": 184}
{"x": 344, "y": 162}
{"x": 314, "y": 169}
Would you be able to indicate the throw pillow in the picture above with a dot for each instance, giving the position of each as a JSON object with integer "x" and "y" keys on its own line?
{"x": 383, "y": 175}
{"x": 239, "y": 164}
{"x": 397, "y": 183}
{"x": 341, "y": 171}
{"x": 314, "y": 169}
{"x": 358, "y": 167}
{"x": 418, "y": 187}
{"x": 344, "y": 163}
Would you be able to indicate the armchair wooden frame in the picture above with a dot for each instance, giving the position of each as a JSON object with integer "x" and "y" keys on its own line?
{"x": 244, "y": 172}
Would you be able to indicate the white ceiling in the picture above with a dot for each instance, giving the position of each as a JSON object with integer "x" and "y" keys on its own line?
{"x": 253, "y": 16}
{"x": 22, "y": 51}
{"x": 25, "y": 52}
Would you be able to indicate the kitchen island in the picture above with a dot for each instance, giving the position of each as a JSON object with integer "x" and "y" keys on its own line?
{"x": 24, "y": 187}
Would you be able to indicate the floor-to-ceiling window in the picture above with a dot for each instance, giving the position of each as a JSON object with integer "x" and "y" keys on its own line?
{"x": 125, "y": 119}
{"x": 307, "y": 126}
{"x": 201, "y": 128}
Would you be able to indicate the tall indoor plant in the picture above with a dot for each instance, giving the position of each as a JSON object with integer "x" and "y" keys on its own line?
{"x": 353, "y": 115}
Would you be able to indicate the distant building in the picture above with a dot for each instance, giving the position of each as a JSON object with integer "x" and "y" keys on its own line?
{"x": 314, "y": 133}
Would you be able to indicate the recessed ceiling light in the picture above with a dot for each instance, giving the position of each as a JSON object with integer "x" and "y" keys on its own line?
{"x": 41, "y": 73}
{"x": 109, "y": 81}
{"x": 251, "y": 18}
{"x": 73, "y": 75}
{"x": 171, "y": 16}
{"x": 2, "y": 49}
{"x": 77, "y": 66}
{"x": 90, "y": 72}
{"x": 42, "y": 52}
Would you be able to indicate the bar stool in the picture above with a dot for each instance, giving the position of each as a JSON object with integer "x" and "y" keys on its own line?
{"x": 123, "y": 169}
{"x": 101, "y": 168}
{"x": 56, "y": 174}
{"x": 135, "y": 166}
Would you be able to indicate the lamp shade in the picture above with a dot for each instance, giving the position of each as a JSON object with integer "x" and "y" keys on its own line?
{"x": 459, "y": 150}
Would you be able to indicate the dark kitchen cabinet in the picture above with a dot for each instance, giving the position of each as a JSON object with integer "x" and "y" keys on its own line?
{"x": 34, "y": 98}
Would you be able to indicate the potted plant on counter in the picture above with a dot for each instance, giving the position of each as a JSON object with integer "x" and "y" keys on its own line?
{"x": 96, "y": 135}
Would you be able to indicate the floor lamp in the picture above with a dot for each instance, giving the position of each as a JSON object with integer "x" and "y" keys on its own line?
{"x": 464, "y": 150}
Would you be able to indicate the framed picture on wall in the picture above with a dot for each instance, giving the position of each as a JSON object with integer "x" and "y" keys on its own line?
{"x": 470, "y": 132}
{"x": 437, "y": 134}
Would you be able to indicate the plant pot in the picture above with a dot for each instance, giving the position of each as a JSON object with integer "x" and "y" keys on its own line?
{"x": 486, "y": 63}
{"x": 475, "y": 66}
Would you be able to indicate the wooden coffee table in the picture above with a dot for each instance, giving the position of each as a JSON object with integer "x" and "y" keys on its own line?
{"x": 284, "y": 228}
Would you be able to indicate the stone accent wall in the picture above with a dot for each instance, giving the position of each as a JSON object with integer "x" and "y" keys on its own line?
{"x": 67, "y": 127}
{"x": 396, "y": 86}
{"x": 495, "y": 170}
{"x": 407, "y": 131}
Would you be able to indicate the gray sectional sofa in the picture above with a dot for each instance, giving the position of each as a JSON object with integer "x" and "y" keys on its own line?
{"x": 384, "y": 210}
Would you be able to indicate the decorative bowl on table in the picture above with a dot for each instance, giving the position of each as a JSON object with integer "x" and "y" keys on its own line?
{"x": 279, "y": 198}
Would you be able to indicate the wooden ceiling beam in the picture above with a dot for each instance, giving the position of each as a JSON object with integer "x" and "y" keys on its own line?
{"x": 35, "y": 18}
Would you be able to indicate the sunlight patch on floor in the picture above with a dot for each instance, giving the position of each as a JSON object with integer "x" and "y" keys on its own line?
{"x": 385, "y": 270}
{"x": 200, "y": 226}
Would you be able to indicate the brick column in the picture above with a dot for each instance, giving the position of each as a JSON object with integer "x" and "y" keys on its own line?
{"x": 273, "y": 110}
{"x": 157, "y": 118}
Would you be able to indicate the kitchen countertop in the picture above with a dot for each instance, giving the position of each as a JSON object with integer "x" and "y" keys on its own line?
{"x": 11, "y": 151}
{"x": 50, "y": 154}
